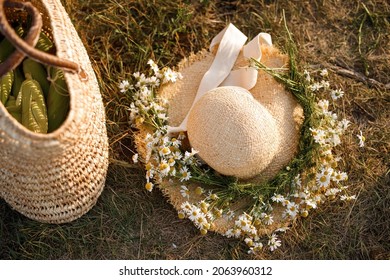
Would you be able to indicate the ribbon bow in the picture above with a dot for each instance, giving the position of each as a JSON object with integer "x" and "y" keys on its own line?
{"x": 231, "y": 41}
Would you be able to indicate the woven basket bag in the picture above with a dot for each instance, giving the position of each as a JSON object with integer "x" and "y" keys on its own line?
{"x": 57, "y": 177}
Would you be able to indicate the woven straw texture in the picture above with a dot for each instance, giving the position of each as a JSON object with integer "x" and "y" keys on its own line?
{"x": 233, "y": 132}
{"x": 57, "y": 177}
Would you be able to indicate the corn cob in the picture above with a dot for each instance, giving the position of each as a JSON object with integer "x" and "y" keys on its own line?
{"x": 13, "y": 109}
{"x": 34, "y": 113}
{"x": 6, "y": 48}
{"x": 57, "y": 100}
{"x": 36, "y": 71}
{"x": 18, "y": 80}
{"x": 6, "y": 86}
{"x": 44, "y": 43}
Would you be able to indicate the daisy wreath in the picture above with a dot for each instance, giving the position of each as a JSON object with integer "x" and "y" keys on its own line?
{"x": 310, "y": 179}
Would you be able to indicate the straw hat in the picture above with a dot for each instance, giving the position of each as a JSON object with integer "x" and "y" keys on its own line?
{"x": 246, "y": 127}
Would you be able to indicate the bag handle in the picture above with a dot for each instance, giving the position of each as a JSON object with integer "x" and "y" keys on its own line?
{"x": 27, "y": 47}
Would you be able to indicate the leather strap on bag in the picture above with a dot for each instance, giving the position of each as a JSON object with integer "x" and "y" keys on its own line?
{"x": 26, "y": 47}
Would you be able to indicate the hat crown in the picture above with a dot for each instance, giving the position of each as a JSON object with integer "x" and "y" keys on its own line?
{"x": 233, "y": 133}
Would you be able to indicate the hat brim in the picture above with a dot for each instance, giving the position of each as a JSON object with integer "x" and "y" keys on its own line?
{"x": 280, "y": 103}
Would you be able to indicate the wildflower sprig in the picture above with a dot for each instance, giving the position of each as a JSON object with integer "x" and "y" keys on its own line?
{"x": 145, "y": 106}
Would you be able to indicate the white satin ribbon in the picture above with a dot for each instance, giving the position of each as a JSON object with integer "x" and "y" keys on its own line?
{"x": 231, "y": 41}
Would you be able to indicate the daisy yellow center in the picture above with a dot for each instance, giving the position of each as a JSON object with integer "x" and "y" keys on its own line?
{"x": 326, "y": 172}
{"x": 323, "y": 179}
{"x": 148, "y": 186}
{"x": 181, "y": 215}
{"x": 165, "y": 150}
{"x": 293, "y": 208}
{"x": 198, "y": 190}
{"x": 164, "y": 166}
{"x": 187, "y": 206}
{"x": 148, "y": 166}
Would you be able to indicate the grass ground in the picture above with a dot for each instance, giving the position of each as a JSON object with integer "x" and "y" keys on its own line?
{"x": 350, "y": 38}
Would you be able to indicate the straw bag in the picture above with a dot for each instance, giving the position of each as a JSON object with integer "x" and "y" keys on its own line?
{"x": 55, "y": 177}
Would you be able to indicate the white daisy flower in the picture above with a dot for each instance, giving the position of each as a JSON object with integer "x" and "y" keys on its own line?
{"x": 311, "y": 203}
{"x": 124, "y": 86}
{"x": 297, "y": 181}
{"x": 267, "y": 218}
{"x": 177, "y": 155}
{"x": 323, "y": 179}
{"x": 164, "y": 167}
{"x": 176, "y": 142}
{"x": 277, "y": 198}
{"x": 194, "y": 213}
{"x": 135, "y": 158}
{"x": 170, "y": 76}
{"x": 237, "y": 232}
{"x": 149, "y": 186}
{"x": 319, "y": 135}
{"x": 324, "y": 72}
{"x": 153, "y": 81}
{"x": 325, "y": 84}
{"x": 257, "y": 247}
{"x": 229, "y": 233}
{"x": 334, "y": 139}
{"x": 137, "y": 75}
{"x": 274, "y": 243}
{"x": 243, "y": 223}
{"x": 153, "y": 65}
{"x": 185, "y": 174}
{"x": 332, "y": 192}
{"x": 306, "y": 74}
{"x": 200, "y": 221}
{"x": 336, "y": 94}
{"x": 323, "y": 104}
{"x": 186, "y": 207}
{"x": 338, "y": 176}
{"x": 315, "y": 87}
{"x": 361, "y": 138}
{"x": 164, "y": 151}
{"x": 292, "y": 209}
{"x": 162, "y": 116}
{"x": 185, "y": 192}
{"x": 248, "y": 241}
{"x": 343, "y": 124}
{"x": 189, "y": 155}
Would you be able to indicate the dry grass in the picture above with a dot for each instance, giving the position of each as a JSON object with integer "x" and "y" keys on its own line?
{"x": 130, "y": 223}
